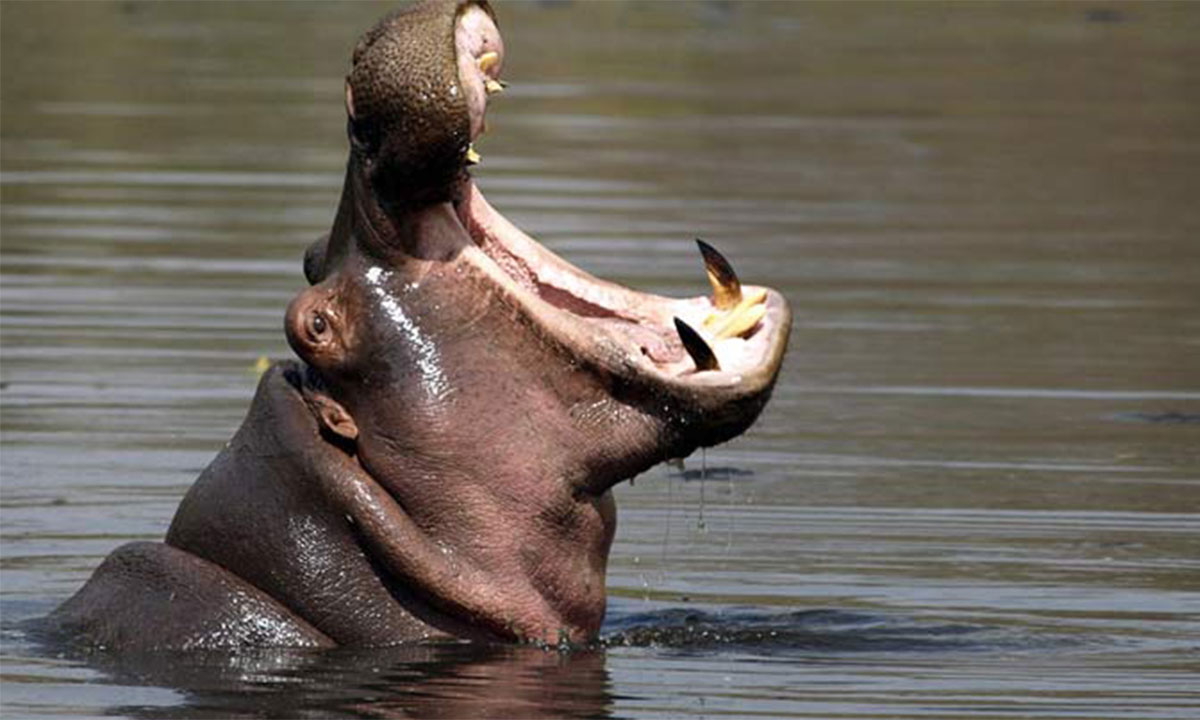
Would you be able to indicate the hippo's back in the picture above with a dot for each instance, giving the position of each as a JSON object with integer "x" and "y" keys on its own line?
{"x": 147, "y": 596}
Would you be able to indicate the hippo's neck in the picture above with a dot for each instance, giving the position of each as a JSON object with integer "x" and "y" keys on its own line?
{"x": 482, "y": 571}
{"x": 509, "y": 545}
{"x": 527, "y": 565}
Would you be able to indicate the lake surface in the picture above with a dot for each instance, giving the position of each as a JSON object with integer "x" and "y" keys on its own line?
{"x": 976, "y": 492}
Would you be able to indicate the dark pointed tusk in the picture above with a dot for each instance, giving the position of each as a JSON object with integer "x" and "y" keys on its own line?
{"x": 699, "y": 350}
{"x": 727, "y": 289}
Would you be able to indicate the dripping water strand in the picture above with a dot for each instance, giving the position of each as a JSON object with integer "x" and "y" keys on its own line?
{"x": 732, "y": 515}
{"x": 662, "y": 564}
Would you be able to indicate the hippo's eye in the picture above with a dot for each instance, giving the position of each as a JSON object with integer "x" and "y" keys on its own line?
{"x": 317, "y": 326}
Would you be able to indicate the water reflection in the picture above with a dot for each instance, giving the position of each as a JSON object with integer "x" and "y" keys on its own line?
{"x": 433, "y": 681}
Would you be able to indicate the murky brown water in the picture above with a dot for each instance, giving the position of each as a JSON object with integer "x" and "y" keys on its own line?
{"x": 976, "y": 492}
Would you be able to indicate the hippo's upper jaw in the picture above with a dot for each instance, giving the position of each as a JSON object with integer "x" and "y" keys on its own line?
{"x": 441, "y": 463}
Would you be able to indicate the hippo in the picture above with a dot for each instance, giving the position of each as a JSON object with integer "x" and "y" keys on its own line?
{"x": 438, "y": 461}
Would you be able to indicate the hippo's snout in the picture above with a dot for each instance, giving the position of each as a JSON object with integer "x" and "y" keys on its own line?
{"x": 416, "y": 97}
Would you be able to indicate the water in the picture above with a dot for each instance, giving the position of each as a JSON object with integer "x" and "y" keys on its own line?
{"x": 976, "y": 492}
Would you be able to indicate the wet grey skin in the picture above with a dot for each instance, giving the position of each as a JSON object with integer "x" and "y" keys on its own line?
{"x": 438, "y": 463}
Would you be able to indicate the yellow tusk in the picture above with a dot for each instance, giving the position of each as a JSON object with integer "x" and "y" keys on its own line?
{"x": 493, "y": 86}
{"x": 472, "y": 156}
{"x": 741, "y": 319}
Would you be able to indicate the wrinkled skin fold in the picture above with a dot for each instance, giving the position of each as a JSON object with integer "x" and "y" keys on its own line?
{"x": 439, "y": 460}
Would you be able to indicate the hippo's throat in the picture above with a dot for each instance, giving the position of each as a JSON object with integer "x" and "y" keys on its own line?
{"x": 431, "y": 532}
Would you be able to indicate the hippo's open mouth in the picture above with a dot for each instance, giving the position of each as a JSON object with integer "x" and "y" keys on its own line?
{"x": 732, "y": 338}
{"x": 417, "y": 98}
{"x": 735, "y": 338}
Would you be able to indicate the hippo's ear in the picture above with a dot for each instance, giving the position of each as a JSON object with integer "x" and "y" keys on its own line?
{"x": 334, "y": 417}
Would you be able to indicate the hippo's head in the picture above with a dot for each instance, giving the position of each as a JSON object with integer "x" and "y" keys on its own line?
{"x": 491, "y": 389}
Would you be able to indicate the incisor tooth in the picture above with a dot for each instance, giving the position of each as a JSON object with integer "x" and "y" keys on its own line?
{"x": 701, "y": 354}
{"x": 727, "y": 289}
{"x": 472, "y": 156}
{"x": 488, "y": 60}
{"x": 493, "y": 86}
{"x": 740, "y": 319}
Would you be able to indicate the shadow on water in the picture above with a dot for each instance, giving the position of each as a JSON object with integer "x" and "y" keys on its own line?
{"x": 1169, "y": 417}
{"x": 805, "y": 632}
{"x": 452, "y": 680}
{"x": 714, "y": 473}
